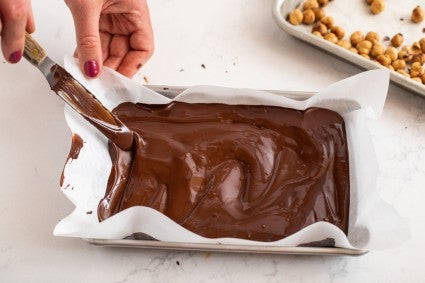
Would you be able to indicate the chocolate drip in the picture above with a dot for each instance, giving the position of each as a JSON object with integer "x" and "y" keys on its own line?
{"x": 76, "y": 146}
{"x": 252, "y": 172}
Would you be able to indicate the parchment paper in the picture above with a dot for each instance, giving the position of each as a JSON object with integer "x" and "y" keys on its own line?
{"x": 357, "y": 99}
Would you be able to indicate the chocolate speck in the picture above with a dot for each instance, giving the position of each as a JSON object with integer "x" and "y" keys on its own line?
{"x": 386, "y": 38}
{"x": 165, "y": 88}
{"x": 203, "y": 66}
{"x": 181, "y": 70}
{"x": 263, "y": 226}
{"x": 423, "y": 30}
{"x": 401, "y": 19}
{"x": 177, "y": 262}
{"x": 146, "y": 79}
{"x": 139, "y": 66}
{"x": 89, "y": 212}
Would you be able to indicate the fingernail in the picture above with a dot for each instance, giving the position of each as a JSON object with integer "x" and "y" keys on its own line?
{"x": 91, "y": 68}
{"x": 15, "y": 57}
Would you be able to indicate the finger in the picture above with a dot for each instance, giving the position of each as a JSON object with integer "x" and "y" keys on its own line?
{"x": 30, "y": 27}
{"x": 86, "y": 15}
{"x": 119, "y": 47}
{"x": 105, "y": 43}
{"x": 14, "y": 19}
{"x": 132, "y": 62}
{"x": 141, "y": 43}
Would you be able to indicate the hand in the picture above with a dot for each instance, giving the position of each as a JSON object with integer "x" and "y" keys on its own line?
{"x": 113, "y": 33}
{"x": 15, "y": 17}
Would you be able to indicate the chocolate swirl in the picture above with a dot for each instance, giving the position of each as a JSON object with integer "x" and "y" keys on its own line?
{"x": 251, "y": 172}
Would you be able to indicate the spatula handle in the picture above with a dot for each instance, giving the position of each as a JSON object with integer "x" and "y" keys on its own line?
{"x": 33, "y": 52}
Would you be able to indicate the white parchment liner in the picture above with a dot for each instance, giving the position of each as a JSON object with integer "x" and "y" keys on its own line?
{"x": 373, "y": 224}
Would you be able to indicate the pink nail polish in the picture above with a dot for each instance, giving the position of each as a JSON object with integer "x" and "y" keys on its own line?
{"x": 15, "y": 57}
{"x": 91, "y": 68}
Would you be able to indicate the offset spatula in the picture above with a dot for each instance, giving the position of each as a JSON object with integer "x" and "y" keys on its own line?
{"x": 77, "y": 96}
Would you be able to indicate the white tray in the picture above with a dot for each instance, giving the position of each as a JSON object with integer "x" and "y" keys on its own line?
{"x": 140, "y": 240}
{"x": 281, "y": 8}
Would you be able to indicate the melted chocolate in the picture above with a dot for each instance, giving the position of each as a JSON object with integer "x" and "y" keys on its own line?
{"x": 76, "y": 146}
{"x": 252, "y": 172}
{"x": 89, "y": 107}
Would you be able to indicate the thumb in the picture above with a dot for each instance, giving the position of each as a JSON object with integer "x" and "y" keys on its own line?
{"x": 86, "y": 14}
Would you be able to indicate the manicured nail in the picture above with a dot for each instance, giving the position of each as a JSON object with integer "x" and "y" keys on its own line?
{"x": 91, "y": 68}
{"x": 15, "y": 57}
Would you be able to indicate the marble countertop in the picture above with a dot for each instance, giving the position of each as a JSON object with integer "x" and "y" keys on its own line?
{"x": 240, "y": 46}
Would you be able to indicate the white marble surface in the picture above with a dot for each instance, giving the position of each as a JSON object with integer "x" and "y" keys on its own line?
{"x": 241, "y": 47}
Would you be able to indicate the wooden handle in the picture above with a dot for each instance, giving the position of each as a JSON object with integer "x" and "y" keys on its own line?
{"x": 33, "y": 52}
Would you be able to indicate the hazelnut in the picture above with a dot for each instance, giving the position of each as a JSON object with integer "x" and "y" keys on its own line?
{"x": 354, "y": 50}
{"x": 372, "y": 37}
{"x": 316, "y": 33}
{"x": 322, "y": 3}
{"x": 399, "y": 64}
{"x": 391, "y": 68}
{"x": 384, "y": 60}
{"x": 415, "y": 74}
{"x": 344, "y": 44}
{"x": 377, "y": 50}
{"x": 356, "y": 38}
{"x": 403, "y": 72}
{"x": 308, "y": 17}
{"x": 296, "y": 17}
{"x": 417, "y": 15}
{"x": 405, "y": 54}
{"x": 365, "y": 56}
{"x": 319, "y": 27}
{"x": 331, "y": 37}
{"x": 416, "y": 70}
{"x": 422, "y": 44}
{"x": 310, "y": 4}
{"x": 319, "y": 13}
{"x": 377, "y": 6}
{"x": 423, "y": 78}
{"x": 328, "y": 21}
{"x": 416, "y": 48}
{"x": 338, "y": 31}
{"x": 364, "y": 44}
{"x": 397, "y": 40}
{"x": 392, "y": 53}
{"x": 420, "y": 58}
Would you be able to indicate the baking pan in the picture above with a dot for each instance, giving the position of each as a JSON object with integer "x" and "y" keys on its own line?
{"x": 281, "y": 8}
{"x": 140, "y": 240}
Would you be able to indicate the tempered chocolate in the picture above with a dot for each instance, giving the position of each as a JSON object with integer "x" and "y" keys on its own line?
{"x": 251, "y": 172}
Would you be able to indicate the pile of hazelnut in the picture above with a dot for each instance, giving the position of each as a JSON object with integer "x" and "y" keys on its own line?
{"x": 406, "y": 60}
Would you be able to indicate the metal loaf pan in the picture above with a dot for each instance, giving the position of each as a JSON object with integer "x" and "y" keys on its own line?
{"x": 140, "y": 240}
{"x": 281, "y": 8}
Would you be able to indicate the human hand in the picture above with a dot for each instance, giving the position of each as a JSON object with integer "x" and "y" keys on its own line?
{"x": 15, "y": 17}
{"x": 113, "y": 33}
